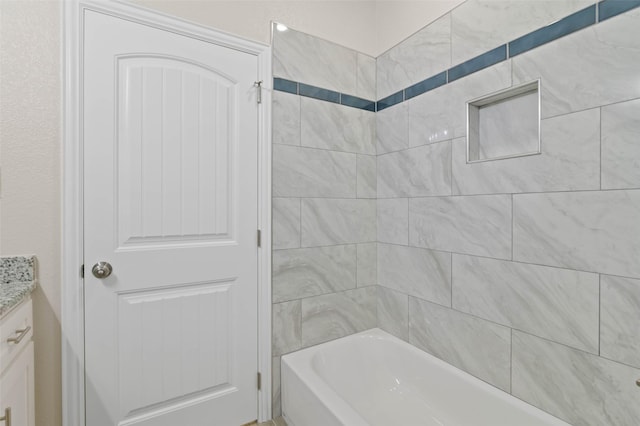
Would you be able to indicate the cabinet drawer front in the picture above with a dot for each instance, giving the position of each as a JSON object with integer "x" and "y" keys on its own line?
{"x": 16, "y": 330}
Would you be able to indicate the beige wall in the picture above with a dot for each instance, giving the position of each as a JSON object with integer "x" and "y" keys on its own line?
{"x": 30, "y": 123}
{"x": 30, "y": 166}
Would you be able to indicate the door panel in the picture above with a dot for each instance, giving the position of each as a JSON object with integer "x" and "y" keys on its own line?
{"x": 170, "y": 154}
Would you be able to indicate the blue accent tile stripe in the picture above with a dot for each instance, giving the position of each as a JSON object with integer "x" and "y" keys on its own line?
{"x": 425, "y": 85}
{"x": 285, "y": 85}
{"x": 561, "y": 28}
{"x": 610, "y": 8}
{"x": 390, "y": 101}
{"x": 356, "y": 102}
{"x": 318, "y": 93}
{"x": 584, "y": 18}
{"x": 485, "y": 60}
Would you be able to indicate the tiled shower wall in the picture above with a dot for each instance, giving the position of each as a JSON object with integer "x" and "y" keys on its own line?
{"x": 324, "y": 207}
{"x": 525, "y": 272}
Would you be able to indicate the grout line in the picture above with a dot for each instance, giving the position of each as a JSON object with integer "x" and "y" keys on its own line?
{"x": 511, "y": 362}
{"x": 600, "y": 158}
{"x": 599, "y": 313}
{"x": 512, "y": 224}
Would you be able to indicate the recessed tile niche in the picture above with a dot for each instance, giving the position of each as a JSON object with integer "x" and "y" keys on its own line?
{"x": 504, "y": 124}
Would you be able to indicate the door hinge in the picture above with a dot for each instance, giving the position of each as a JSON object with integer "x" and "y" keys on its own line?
{"x": 82, "y": 271}
{"x": 259, "y": 238}
{"x": 259, "y": 381}
{"x": 258, "y": 84}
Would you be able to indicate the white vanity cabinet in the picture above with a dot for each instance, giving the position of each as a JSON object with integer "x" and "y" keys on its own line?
{"x": 16, "y": 367}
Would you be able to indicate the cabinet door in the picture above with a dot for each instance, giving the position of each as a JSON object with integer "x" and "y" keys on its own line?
{"x": 16, "y": 389}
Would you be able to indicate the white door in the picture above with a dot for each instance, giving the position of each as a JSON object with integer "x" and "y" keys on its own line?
{"x": 170, "y": 190}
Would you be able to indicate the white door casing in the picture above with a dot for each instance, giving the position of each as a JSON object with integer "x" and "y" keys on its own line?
{"x": 171, "y": 164}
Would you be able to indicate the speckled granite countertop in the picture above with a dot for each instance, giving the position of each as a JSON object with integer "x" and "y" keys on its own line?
{"x": 17, "y": 280}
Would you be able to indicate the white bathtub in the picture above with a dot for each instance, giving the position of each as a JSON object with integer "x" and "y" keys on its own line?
{"x": 373, "y": 378}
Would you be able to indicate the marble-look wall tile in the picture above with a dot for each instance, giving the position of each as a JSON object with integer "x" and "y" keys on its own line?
{"x": 285, "y": 113}
{"x": 338, "y": 221}
{"x": 341, "y": 128}
{"x": 441, "y": 114}
{"x": 422, "y": 55}
{"x": 307, "y": 172}
{"x": 415, "y": 172}
{"x": 601, "y": 60}
{"x": 621, "y": 145}
{"x": 367, "y": 264}
{"x": 276, "y": 391}
{"x": 391, "y": 128}
{"x": 588, "y": 231}
{"x": 418, "y": 272}
{"x": 557, "y": 304}
{"x": 336, "y": 315}
{"x": 366, "y": 176}
{"x": 393, "y": 312}
{"x": 393, "y": 220}
{"x": 287, "y": 334}
{"x": 299, "y": 273}
{"x": 286, "y": 223}
{"x": 578, "y": 387}
{"x": 331, "y": 66}
{"x": 570, "y": 160}
{"x": 366, "y": 77}
{"x": 620, "y": 319}
{"x": 480, "y": 25}
{"x": 476, "y": 346}
{"x": 479, "y": 224}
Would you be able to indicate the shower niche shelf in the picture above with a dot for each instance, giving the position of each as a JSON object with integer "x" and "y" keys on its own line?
{"x": 505, "y": 124}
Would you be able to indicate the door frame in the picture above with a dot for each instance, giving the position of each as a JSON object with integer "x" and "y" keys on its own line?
{"x": 72, "y": 297}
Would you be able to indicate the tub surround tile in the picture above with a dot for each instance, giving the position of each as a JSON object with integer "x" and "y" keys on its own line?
{"x": 557, "y": 304}
{"x": 620, "y": 319}
{"x": 476, "y": 346}
{"x": 299, "y": 273}
{"x": 276, "y": 390}
{"x": 336, "y": 315}
{"x": 355, "y": 102}
{"x": 478, "y": 26}
{"x": 575, "y": 386}
{"x": 286, "y": 223}
{"x": 318, "y": 93}
{"x": 415, "y": 172}
{"x": 366, "y": 176}
{"x": 567, "y": 25}
{"x": 425, "y": 85}
{"x": 286, "y": 118}
{"x": 610, "y": 8}
{"x": 287, "y": 334}
{"x": 390, "y": 101}
{"x": 331, "y": 66}
{"x": 392, "y": 129}
{"x": 337, "y": 221}
{"x": 393, "y": 312}
{"x": 307, "y": 172}
{"x": 621, "y": 145}
{"x": 393, "y": 220}
{"x": 570, "y": 160}
{"x": 424, "y": 54}
{"x": 478, "y": 63}
{"x": 601, "y": 61}
{"x": 367, "y": 269}
{"x": 284, "y": 85}
{"x": 366, "y": 76}
{"x": 337, "y": 127}
{"x": 479, "y": 225}
{"x": 579, "y": 230}
{"x": 417, "y": 272}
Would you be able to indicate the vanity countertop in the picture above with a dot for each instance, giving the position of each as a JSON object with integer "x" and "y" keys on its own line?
{"x": 12, "y": 293}
{"x": 17, "y": 280}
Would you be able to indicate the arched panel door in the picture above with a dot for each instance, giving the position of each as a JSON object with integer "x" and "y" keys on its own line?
{"x": 170, "y": 190}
